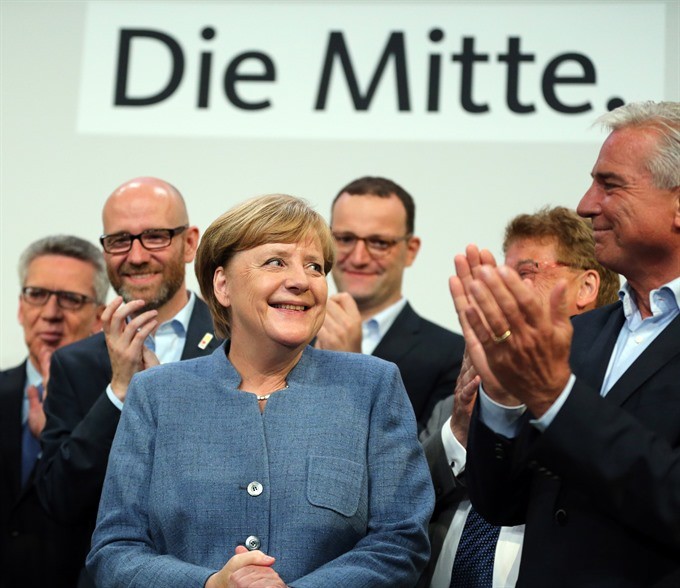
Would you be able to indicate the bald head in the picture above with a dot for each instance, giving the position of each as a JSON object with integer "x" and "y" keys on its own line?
{"x": 154, "y": 275}
{"x": 141, "y": 195}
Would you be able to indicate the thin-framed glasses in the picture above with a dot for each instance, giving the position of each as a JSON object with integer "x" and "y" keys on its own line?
{"x": 529, "y": 268}
{"x": 151, "y": 239}
{"x": 66, "y": 300}
{"x": 377, "y": 245}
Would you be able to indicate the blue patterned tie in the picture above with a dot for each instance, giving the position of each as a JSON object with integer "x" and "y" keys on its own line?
{"x": 473, "y": 566}
{"x": 30, "y": 448}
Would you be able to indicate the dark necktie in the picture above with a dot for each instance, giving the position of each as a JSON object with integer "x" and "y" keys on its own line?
{"x": 30, "y": 448}
{"x": 473, "y": 565}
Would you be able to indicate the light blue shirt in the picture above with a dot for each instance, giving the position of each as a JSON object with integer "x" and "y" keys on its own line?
{"x": 33, "y": 378}
{"x": 168, "y": 341}
{"x": 635, "y": 336}
{"x": 374, "y": 329}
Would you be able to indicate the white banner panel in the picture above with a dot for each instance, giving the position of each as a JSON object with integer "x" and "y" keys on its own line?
{"x": 435, "y": 72}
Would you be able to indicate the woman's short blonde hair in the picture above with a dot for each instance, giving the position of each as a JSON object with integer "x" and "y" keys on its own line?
{"x": 274, "y": 218}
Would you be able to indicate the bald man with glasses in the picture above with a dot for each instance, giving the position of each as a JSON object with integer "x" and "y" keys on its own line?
{"x": 61, "y": 301}
{"x": 373, "y": 223}
{"x": 147, "y": 243}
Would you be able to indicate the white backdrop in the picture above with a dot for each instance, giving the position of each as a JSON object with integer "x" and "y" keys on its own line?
{"x": 65, "y": 145}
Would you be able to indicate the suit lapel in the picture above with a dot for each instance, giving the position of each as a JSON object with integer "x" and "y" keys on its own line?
{"x": 661, "y": 351}
{"x": 595, "y": 344}
{"x": 102, "y": 351}
{"x": 11, "y": 401}
{"x": 400, "y": 337}
{"x": 200, "y": 324}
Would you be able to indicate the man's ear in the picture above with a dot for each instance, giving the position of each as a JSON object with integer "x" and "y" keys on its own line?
{"x": 589, "y": 287}
{"x": 20, "y": 313}
{"x": 97, "y": 324}
{"x": 676, "y": 219}
{"x": 221, "y": 287}
{"x": 412, "y": 248}
{"x": 191, "y": 238}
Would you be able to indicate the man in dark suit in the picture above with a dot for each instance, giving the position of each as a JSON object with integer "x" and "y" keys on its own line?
{"x": 576, "y": 430}
{"x": 63, "y": 291}
{"x": 373, "y": 223}
{"x": 147, "y": 243}
{"x": 550, "y": 245}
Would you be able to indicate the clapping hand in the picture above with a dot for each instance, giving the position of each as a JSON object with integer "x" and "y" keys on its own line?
{"x": 125, "y": 341}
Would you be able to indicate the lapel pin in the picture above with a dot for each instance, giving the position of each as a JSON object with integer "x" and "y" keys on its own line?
{"x": 207, "y": 338}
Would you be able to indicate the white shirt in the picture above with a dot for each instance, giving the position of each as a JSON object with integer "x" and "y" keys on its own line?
{"x": 168, "y": 341}
{"x": 374, "y": 329}
{"x": 508, "y": 546}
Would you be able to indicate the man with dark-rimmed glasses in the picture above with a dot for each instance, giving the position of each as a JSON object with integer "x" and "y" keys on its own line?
{"x": 373, "y": 223}
{"x": 61, "y": 301}
{"x": 147, "y": 243}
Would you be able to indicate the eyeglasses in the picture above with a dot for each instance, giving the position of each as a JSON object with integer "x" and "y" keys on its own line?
{"x": 65, "y": 300}
{"x": 151, "y": 239}
{"x": 377, "y": 245}
{"x": 529, "y": 269}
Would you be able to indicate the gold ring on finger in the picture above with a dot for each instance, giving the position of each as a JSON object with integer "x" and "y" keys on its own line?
{"x": 502, "y": 338}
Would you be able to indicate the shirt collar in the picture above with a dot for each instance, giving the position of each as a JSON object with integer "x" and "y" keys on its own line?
{"x": 664, "y": 299}
{"x": 180, "y": 322}
{"x": 384, "y": 319}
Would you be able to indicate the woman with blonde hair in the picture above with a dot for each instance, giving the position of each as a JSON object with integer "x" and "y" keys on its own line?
{"x": 269, "y": 463}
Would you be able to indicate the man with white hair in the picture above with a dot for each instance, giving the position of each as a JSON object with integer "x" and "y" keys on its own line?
{"x": 576, "y": 430}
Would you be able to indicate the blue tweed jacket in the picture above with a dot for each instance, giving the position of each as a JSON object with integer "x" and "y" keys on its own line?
{"x": 345, "y": 490}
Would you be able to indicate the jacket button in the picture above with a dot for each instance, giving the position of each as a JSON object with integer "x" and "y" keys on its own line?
{"x": 254, "y": 488}
{"x": 561, "y": 517}
{"x": 253, "y": 543}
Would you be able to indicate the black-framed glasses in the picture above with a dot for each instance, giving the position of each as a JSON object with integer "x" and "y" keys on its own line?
{"x": 151, "y": 239}
{"x": 377, "y": 245}
{"x": 66, "y": 300}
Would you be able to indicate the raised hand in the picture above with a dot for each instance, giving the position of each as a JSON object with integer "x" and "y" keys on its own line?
{"x": 36, "y": 414}
{"x": 459, "y": 286}
{"x": 464, "y": 399}
{"x": 125, "y": 341}
{"x": 532, "y": 361}
{"x": 341, "y": 329}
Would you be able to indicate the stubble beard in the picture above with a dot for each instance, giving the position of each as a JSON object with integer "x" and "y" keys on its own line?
{"x": 364, "y": 297}
{"x": 173, "y": 278}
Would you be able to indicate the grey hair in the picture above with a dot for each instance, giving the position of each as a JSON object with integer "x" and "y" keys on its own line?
{"x": 68, "y": 246}
{"x": 664, "y": 117}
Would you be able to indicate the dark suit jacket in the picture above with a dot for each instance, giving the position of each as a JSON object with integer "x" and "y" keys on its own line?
{"x": 599, "y": 490}
{"x": 428, "y": 357}
{"x": 449, "y": 490}
{"x": 81, "y": 423}
{"x": 35, "y": 550}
